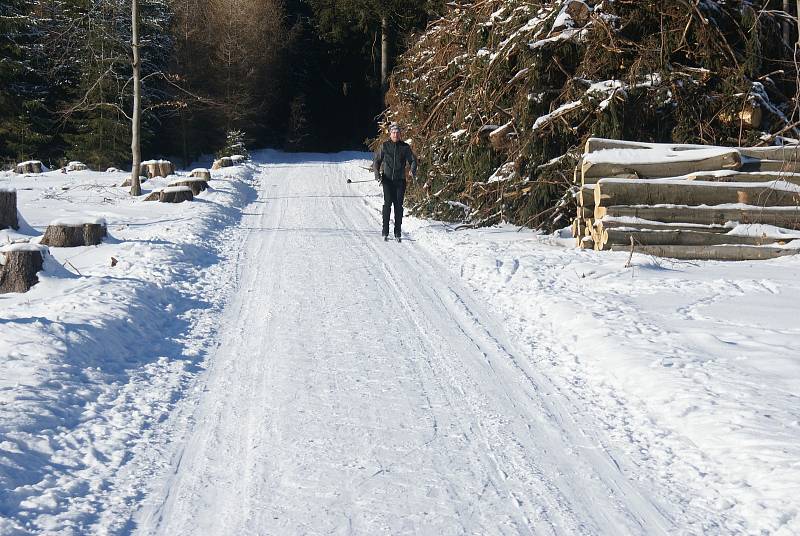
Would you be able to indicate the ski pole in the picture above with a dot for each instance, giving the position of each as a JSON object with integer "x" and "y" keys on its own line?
{"x": 350, "y": 181}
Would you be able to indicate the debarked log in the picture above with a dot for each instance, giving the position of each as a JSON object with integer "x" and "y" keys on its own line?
{"x": 720, "y": 253}
{"x": 656, "y": 165}
{"x": 609, "y": 237}
{"x": 621, "y": 192}
{"x": 787, "y": 217}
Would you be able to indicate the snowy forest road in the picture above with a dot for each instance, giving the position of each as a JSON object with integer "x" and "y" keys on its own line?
{"x": 360, "y": 388}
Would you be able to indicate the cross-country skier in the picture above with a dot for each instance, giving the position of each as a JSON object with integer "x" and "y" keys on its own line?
{"x": 390, "y": 170}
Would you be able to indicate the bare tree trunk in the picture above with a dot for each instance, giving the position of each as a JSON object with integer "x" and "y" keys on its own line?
{"x": 136, "y": 118}
{"x": 384, "y": 57}
{"x": 786, "y": 26}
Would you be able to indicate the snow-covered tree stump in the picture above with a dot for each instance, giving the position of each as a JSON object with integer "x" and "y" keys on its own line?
{"x": 19, "y": 264}
{"x": 31, "y": 166}
{"x": 237, "y": 159}
{"x": 196, "y": 185}
{"x": 77, "y": 166}
{"x": 222, "y": 162}
{"x": 157, "y": 168}
{"x": 74, "y": 233}
{"x": 176, "y": 194}
{"x": 8, "y": 208}
{"x": 201, "y": 173}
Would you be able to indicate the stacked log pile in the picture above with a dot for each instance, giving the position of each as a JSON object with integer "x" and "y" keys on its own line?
{"x": 685, "y": 201}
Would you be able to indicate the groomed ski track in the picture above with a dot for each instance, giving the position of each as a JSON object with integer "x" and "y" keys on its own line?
{"x": 360, "y": 388}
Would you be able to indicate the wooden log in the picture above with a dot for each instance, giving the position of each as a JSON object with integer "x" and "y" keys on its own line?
{"x": 589, "y": 181}
{"x": 31, "y": 166}
{"x": 155, "y": 195}
{"x": 719, "y": 253}
{"x": 157, "y": 168}
{"x": 176, "y": 194}
{"x": 655, "y": 164}
{"x": 783, "y": 166}
{"x": 586, "y": 243}
{"x": 585, "y": 212}
{"x": 787, "y": 217}
{"x": 609, "y": 237}
{"x": 201, "y": 173}
{"x": 751, "y": 116}
{"x": 74, "y": 233}
{"x": 738, "y": 176}
{"x": 19, "y": 264}
{"x": 196, "y": 185}
{"x": 237, "y": 159}
{"x": 222, "y": 163}
{"x": 608, "y": 223}
{"x": 790, "y": 153}
{"x": 621, "y": 192}
{"x": 585, "y": 196}
{"x": 8, "y": 208}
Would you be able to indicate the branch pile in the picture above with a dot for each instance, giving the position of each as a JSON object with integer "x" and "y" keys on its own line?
{"x": 499, "y": 96}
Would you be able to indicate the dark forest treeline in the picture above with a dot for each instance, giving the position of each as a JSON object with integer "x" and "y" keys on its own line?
{"x": 294, "y": 74}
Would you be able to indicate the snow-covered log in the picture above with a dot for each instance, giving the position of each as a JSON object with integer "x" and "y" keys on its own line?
{"x": 157, "y": 168}
{"x": 201, "y": 173}
{"x": 70, "y": 233}
{"x": 787, "y": 217}
{"x": 720, "y": 253}
{"x": 608, "y": 237}
{"x": 610, "y": 192}
{"x": 8, "y": 208}
{"x": 651, "y": 163}
{"x": 176, "y": 194}
{"x": 195, "y": 184}
{"x": 31, "y": 166}
{"x": 76, "y": 166}
{"x": 738, "y": 176}
{"x": 585, "y": 196}
{"x": 19, "y": 264}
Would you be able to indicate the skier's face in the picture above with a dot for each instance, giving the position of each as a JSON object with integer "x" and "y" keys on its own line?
{"x": 394, "y": 135}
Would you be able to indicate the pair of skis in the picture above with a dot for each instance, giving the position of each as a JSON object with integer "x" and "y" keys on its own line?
{"x": 397, "y": 238}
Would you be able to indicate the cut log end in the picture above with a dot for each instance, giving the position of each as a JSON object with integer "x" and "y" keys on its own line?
{"x": 176, "y": 194}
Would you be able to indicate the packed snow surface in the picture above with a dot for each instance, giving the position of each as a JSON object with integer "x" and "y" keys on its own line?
{"x": 258, "y": 361}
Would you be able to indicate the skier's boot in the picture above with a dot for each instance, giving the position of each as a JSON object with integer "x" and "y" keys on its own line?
{"x": 399, "y": 239}
{"x": 385, "y": 238}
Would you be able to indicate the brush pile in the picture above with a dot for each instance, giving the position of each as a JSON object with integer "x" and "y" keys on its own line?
{"x": 499, "y": 96}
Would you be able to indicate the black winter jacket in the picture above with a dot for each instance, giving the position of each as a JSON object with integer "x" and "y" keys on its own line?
{"x": 391, "y": 159}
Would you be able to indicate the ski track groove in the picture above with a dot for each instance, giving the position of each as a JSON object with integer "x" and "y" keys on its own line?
{"x": 359, "y": 388}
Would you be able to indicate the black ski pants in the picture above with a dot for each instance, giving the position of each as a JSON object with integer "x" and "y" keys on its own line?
{"x": 393, "y": 193}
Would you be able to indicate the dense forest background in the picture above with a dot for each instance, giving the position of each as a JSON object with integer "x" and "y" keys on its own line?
{"x": 292, "y": 74}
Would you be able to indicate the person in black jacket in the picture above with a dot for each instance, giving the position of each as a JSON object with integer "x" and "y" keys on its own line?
{"x": 390, "y": 170}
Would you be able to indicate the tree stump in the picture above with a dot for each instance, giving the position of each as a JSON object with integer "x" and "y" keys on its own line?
{"x": 74, "y": 233}
{"x": 237, "y": 159}
{"x": 127, "y": 182}
{"x": 31, "y": 166}
{"x": 157, "y": 168}
{"x": 201, "y": 173}
{"x": 19, "y": 264}
{"x": 77, "y": 166}
{"x": 222, "y": 162}
{"x": 155, "y": 195}
{"x": 176, "y": 194}
{"x": 196, "y": 185}
{"x": 8, "y": 208}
